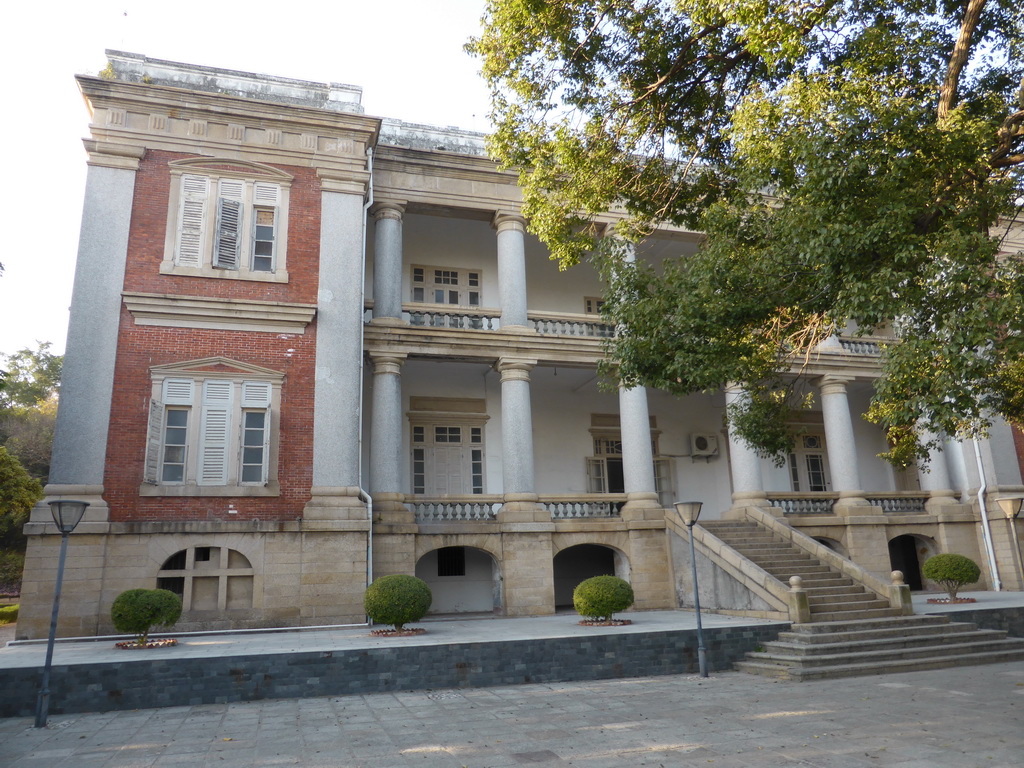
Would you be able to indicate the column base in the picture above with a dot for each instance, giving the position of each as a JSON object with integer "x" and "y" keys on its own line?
{"x": 742, "y": 499}
{"x": 853, "y": 504}
{"x": 521, "y": 508}
{"x": 938, "y": 501}
{"x": 334, "y": 504}
{"x": 95, "y": 520}
{"x": 389, "y": 508}
{"x": 388, "y": 321}
{"x": 642, "y": 506}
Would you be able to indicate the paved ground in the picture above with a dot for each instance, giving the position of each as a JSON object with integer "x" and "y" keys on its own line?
{"x": 958, "y": 718}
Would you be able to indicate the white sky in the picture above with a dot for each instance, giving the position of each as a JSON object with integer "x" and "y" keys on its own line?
{"x": 406, "y": 55}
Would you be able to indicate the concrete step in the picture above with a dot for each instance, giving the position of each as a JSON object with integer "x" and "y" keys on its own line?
{"x": 884, "y": 656}
{"x": 867, "y": 613}
{"x": 896, "y": 623}
{"x": 875, "y": 630}
{"x": 907, "y": 644}
{"x": 855, "y": 670}
{"x": 816, "y": 599}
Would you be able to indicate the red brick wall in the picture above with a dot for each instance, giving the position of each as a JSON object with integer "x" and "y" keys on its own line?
{"x": 140, "y": 347}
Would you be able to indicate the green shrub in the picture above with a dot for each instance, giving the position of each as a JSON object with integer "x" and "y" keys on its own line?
{"x": 397, "y": 600}
{"x": 951, "y": 572}
{"x": 599, "y": 597}
{"x": 137, "y": 611}
{"x": 8, "y": 614}
{"x": 11, "y": 566}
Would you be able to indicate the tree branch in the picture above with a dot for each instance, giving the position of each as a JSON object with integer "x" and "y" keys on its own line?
{"x": 957, "y": 62}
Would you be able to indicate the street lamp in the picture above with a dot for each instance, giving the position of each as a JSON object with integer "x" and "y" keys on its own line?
{"x": 1011, "y": 508}
{"x": 67, "y": 514}
{"x": 690, "y": 511}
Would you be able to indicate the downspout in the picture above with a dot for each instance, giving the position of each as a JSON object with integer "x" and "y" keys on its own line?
{"x": 363, "y": 494}
{"x": 985, "y": 528}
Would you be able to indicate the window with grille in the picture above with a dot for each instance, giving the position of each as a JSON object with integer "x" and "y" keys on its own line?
{"x": 442, "y": 285}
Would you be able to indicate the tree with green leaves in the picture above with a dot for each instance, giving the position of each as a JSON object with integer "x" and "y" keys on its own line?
{"x": 19, "y": 492}
{"x": 29, "y": 382}
{"x": 852, "y": 165}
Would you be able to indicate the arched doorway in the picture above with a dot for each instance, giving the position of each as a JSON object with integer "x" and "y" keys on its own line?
{"x": 575, "y": 564}
{"x": 462, "y": 580}
{"x": 907, "y": 553}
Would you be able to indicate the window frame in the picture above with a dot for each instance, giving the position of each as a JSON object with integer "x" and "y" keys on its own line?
{"x": 217, "y": 404}
{"x": 433, "y": 279}
{"x": 211, "y": 219}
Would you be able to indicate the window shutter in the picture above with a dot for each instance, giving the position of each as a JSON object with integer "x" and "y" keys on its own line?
{"x": 179, "y": 391}
{"x": 151, "y": 472}
{"x": 214, "y": 435}
{"x": 266, "y": 194}
{"x": 229, "y": 233}
{"x": 256, "y": 394}
{"x": 191, "y": 226}
{"x": 596, "y": 482}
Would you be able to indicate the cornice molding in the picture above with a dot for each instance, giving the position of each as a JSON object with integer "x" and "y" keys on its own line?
{"x": 218, "y": 314}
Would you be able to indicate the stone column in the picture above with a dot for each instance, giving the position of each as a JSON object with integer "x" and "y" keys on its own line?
{"x": 935, "y": 477}
{"x": 512, "y": 270}
{"x": 387, "y": 264}
{"x": 517, "y": 443}
{"x": 336, "y": 402}
{"x": 842, "y": 449}
{"x": 744, "y": 463}
{"x": 87, "y": 380}
{"x": 386, "y": 439}
{"x": 637, "y": 459}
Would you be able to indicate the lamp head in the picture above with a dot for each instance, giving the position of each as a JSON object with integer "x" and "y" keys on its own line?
{"x": 1011, "y": 506}
{"x": 689, "y": 511}
{"x": 67, "y": 513}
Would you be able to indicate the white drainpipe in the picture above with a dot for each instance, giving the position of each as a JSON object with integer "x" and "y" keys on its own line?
{"x": 985, "y": 528}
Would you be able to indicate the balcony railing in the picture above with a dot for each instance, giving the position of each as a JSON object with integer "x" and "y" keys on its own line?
{"x": 899, "y": 504}
{"x": 588, "y": 326}
{"x": 863, "y": 346}
{"x": 488, "y": 319}
{"x": 894, "y": 503}
{"x": 483, "y": 509}
{"x": 797, "y": 504}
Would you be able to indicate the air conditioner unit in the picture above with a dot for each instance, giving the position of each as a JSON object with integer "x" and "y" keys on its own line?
{"x": 703, "y": 445}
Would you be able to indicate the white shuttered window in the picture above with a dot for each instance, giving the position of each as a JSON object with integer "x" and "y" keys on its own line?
{"x": 229, "y": 227}
{"x": 212, "y": 432}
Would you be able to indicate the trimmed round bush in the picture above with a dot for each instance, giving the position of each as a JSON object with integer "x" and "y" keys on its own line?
{"x": 137, "y": 611}
{"x": 599, "y": 597}
{"x": 951, "y": 572}
{"x": 397, "y": 599}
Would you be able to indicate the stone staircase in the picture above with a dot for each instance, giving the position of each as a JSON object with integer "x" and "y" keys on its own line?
{"x": 853, "y": 631}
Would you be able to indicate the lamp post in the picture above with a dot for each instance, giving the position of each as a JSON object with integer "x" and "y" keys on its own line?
{"x": 67, "y": 515}
{"x": 1011, "y": 508}
{"x": 690, "y": 511}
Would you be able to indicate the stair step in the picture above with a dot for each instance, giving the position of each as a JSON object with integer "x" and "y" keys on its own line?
{"x": 817, "y": 600}
{"x": 869, "y": 613}
{"x": 886, "y": 648}
{"x": 854, "y": 670}
{"x": 869, "y": 635}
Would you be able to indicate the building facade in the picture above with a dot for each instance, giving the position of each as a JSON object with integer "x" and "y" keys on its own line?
{"x": 310, "y": 347}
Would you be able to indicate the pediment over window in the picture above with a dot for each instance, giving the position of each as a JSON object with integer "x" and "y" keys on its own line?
{"x": 217, "y": 165}
{"x": 221, "y": 366}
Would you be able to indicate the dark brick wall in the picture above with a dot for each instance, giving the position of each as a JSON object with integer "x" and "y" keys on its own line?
{"x": 166, "y": 681}
{"x": 141, "y": 347}
{"x": 1010, "y": 620}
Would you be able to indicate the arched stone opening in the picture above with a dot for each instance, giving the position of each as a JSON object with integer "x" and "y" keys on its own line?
{"x": 579, "y": 563}
{"x": 462, "y": 580}
{"x": 211, "y": 579}
{"x": 833, "y": 544}
{"x": 907, "y": 553}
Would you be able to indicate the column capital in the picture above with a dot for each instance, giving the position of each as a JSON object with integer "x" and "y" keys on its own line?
{"x": 515, "y": 369}
{"x": 387, "y": 210}
{"x": 505, "y": 221}
{"x": 833, "y": 385}
{"x": 387, "y": 362}
{"x": 112, "y": 155}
